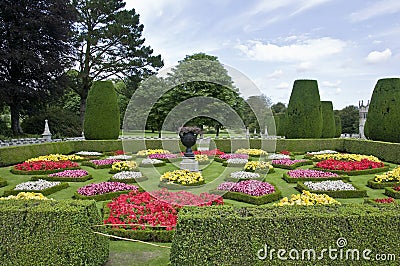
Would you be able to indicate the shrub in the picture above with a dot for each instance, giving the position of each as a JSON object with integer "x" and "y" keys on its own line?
{"x": 338, "y": 126}
{"x": 45, "y": 192}
{"x": 102, "y": 113}
{"x": 46, "y": 232}
{"x": 303, "y": 115}
{"x": 383, "y": 119}
{"x": 280, "y": 124}
{"x": 328, "y": 120}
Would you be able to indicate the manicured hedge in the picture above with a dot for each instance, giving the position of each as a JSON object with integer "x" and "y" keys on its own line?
{"x": 226, "y": 235}
{"x": 392, "y": 193}
{"x": 256, "y": 200}
{"x": 100, "y": 197}
{"x": 129, "y": 180}
{"x": 40, "y": 172}
{"x": 386, "y": 151}
{"x": 307, "y": 145}
{"x": 380, "y": 185}
{"x": 63, "y": 179}
{"x": 328, "y": 120}
{"x": 173, "y": 186}
{"x": 289, "y": 179}
{"x": 232, "y": 179}
{"x": 358, "y": 172}
{"x": 95, "y": 166}
{"x": 51, "y": 233}
{"x": 3, "y": 182}
{"x": 293, "y": 166}
{"x": 45, "y": 192}
{"x": 358, "y": 193}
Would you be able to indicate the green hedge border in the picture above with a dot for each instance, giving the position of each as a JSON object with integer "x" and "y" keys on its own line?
{"x": 392, "y": 193}
{"x": 90, "y": 164}
{"x": 129, "y": 180}
{"x": 116, "y": 171}
{"x": 373, "y": 202}
{"x": 3, "y": 182}
{"x": 45, "y": 192}
{"x": 293, "y": 166}
{"x": 63, "y": 179}
{"x": 174, "y": 186}
{"x": 381, "y": 185}
{"x": 289, "y": 179}
{"x": 353, "y": 173}
{"x": 152, "y": 165}
{"x": 231, "y": 179}
{"x": 102, "y": 197}
{"x": 40, "y": 172}
{"x": 343, "y": 194}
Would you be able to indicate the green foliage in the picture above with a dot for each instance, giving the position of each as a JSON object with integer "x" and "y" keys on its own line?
{"x": 338, "y": 126}
{"x": 307, "y": 145}
{"x": 45, "y": 192}
{"x": 256, "y": 200}
{"x": 388, "y": 152}
{"x": 102, "y": 113}
{"x": 303, "y": 115}
{"x": 358, "y": 193}
{"x": 51, "y": 233}
{"x": 381, "y": 185}
{"x": 62, "y": 123}
{"x": 63, "y": 179}
{"x": 349, "y": 117}
{"x": 289, "y": 179}
{"x": 280, "y": 124}
{"x": 383, "y": 121}
{"x": 328, "y": 120}
{"x": 3, "y": 182}
{"x": 238, "y": 234}
{"x": 392, "y": 193}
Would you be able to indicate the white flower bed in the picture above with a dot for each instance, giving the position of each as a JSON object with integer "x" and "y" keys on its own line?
{"x": 322, "y": 152}
{"x": 36, "y": 185}
{"x": 237, "y": 161}
{"x": 120, "y": 157}
{"x": 276, "y": 156}
{"x": 127, "y": 175}
{"x": 244, "y": 175}
{"x": 151, "y": 161}
{"x": 89, "y": 153}
{"x": 329, "y": 185}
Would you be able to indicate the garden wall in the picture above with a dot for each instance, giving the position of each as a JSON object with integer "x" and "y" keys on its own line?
{"x": 51, "y": 233}
{"x": 225, "y": 235}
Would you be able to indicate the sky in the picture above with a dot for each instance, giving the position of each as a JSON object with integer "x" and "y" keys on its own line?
{"x": 345, "y": 45}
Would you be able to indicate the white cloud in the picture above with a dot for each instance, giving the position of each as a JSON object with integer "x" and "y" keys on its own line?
{"x": 338, "y": 91}
{"x": 378, "y": 8}
{"x": 276, "y": 74}
{"x": 331, "y": 84}
{"x": 378, "y": 57}
{"x": 304, "y": 67}
{"x": 308, "y": 50}
{"x": 283, "y": 86}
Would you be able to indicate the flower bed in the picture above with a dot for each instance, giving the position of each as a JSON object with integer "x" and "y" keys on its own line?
{"x": 277, "y": 156}
{"x": 128, "y": 177}
{"x": 123, "y": 157}
{"x": 26, "y": 196}
{"x": 145, "y": 153}
{"x": 243, "y": 175}
{"x": 388, "y": 179}
{"x": 362, "y": 167}
{"x": 43, "y": 167}
{"x": 123, "y": 166}
{"x": 290, "y": 164}
{"x": 89, "y": 155}
{"x": 345, "y": 157}
{"x": 303, "y": 175}
{"x": 235, "y": 162}
{"x": 210, "y": 153}
{"x": 103, "y": 191}
{"x": 166, "y": 157}
{"x": 224, "y": 157}
{"x": 56, "y": 158}
{"x": 151, "y": 162}
{"x": 101, "y": 164}
{"x": 259, "y": 166}
{"x": 307, "y": 198}
{"x": 66, "y": 176}
{"x": 40, "y": 186}
{"x": 250, "y": 191}
{"x": 393, "y": 192}
{"x": 333, "y": 188}
{"x": 202, "y": 159}
{"x": 252, "y": 152}
{"x": 310, "y": 155}
{"x": 389, "y": 200}
{"x": 151, "y": 216}
{"x": 181, "y": 178}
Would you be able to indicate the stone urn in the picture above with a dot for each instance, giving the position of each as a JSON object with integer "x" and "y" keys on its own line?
{"x": 188, "y": 137}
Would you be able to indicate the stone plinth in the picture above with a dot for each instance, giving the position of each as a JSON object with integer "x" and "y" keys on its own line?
{"x": 189, "y": 164}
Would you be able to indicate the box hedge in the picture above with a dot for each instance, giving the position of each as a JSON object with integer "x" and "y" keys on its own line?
{"x": 358, "y": 193}
{"x": 226, "y": 235}
{"x": 63, "y": 179}
{"x": 45, "y": 192}
{"x": 51, "y": 233}
{"x": 381, "y": 185}
{"x": 289, "y": 179}
{"x": 389, "y": 191}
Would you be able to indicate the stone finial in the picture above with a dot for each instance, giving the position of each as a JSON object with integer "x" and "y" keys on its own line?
{"x": 46, "y": 134}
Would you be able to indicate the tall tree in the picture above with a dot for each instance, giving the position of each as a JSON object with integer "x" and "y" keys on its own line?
{"x": 350, "y": 119}
{"x": 258, "y": 112}
{"x": 278, "y": 108}
{"x": 109, "y": 44}
{"x": 34, "y": 45}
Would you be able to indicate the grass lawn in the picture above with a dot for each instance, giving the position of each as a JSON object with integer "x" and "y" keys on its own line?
{"x": 134, "y": 253}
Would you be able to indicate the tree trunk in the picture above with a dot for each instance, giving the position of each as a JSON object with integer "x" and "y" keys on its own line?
{"x": 15, "y": 125}
{"x": 217, "y": 129}
{"x": 82, "y": 110}
{"x": 159, "y": 133}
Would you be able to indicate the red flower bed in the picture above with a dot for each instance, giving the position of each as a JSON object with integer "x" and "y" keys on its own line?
{"x": 387, "y": 200}
{"x": 285, "y": 152}
{"x": 158, "y": 209}
{"x": 364, "y": 164}
{"x": 397, "y": 188}
{"x": 45, "y": 165}
{"x": 215, "y": 152}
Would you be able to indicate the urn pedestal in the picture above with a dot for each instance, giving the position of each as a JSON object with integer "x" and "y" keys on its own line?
{"x": 188, "y": 162}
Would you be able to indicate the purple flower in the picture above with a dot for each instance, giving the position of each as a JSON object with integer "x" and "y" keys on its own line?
{"x": 250, "y": 187}
{"x": 304, "y": 173}
{"x": 234, "y": 156}
{"x": 104, "y": 161}
{"x": 287, "y": 161}
{"x": 70, "y": 173}
{"x": 162, "y": 156}
{"x": 105, "y": 187}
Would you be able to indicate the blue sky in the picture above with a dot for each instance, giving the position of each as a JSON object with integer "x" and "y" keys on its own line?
{"x": 345, "y": 45}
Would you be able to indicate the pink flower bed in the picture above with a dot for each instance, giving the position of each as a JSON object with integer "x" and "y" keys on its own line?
{"x": 70, "y": 173}
{"x": 184, "y": 198}
{"x": 162, "y": 156}
{"x": 287, "y": 161}
{"x": 302, "y": 173}
{"x": 105, "y": 187}
{"x": 250, "y": 187}
{"x": 104, "y": 161}
{"x": 234, "y": 156}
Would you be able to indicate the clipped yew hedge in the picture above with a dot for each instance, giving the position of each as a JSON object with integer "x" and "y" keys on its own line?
{"x": 226, "y": 235}
{"x": 45, "y": 192}
{"x": 51, "y": 233}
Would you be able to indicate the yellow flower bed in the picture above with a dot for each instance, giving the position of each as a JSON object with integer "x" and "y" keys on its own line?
{"x": 26, "y": 196}
{"x": 252, "y": 152}
{"x": 257, "y": 165}
{"x": 152, "y": 151}
{"x": 307, "y": 198}
{"x": 346, "y": 157}
{"x": 390, "y": 176}
{"x": 201, "y": 158}
{"x": 182, "y": 177}
{"x": 56, "y": 158}
{"x": 124, "y": 166}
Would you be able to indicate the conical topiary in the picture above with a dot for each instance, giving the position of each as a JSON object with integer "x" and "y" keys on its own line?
{"x": 102, "y": 112}
{"x": 303, "y": 115}
{"x": 338, "y": 126}
{"x": 328, "y": 120}
{"x": 383, "y": 120}
{"x": 280, "y": 124}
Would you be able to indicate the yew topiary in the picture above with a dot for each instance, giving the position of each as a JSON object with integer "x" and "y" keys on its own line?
{"x": 338, "y": 126}
{"x": 328, "y": 120}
